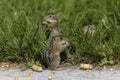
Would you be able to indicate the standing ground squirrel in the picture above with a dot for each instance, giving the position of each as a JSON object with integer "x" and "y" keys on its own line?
{"x": 51, "y": 21}
{"x": 51, "y": 55}
{"x": 90, "y": 29}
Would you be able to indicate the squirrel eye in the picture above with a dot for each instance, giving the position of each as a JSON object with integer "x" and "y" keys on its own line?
{"x": 61, "y": 38}
{"x": 50, "y": 16}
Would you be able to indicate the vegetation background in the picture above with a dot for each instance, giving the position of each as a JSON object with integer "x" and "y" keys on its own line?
{"x": 23, "y": 39}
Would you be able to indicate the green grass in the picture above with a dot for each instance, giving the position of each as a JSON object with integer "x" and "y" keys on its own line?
{"x": 22, "y": 37}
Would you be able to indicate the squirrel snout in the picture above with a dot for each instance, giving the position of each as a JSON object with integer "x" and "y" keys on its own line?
{"x": 44, "y": 23}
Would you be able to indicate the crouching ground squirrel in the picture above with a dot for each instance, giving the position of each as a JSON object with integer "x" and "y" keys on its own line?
{"x": 51, "y": 55}
{"x": 90, "y": 29}
{"x": 51, "y": 21}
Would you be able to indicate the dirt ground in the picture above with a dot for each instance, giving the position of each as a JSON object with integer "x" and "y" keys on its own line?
{"x": 13, "y": 72}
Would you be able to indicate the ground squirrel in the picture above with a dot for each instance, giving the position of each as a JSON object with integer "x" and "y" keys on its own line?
{"x": 51, "y": 55}
{"x": 90, "y": 29}
{"x": 51, "y": 21}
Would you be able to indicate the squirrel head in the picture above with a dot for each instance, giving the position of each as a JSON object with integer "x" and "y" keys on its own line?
{"x": 89, "y": 29}
{"x": 50, "y": 20}
{"x": 60, "y": 43}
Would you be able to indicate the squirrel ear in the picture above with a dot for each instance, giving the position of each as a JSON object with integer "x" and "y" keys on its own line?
{"x": 53, "y": 39}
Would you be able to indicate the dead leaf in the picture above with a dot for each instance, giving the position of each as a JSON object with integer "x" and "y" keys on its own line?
{"x": 111, "y": 69}
{"x": 50, "y": 78}
{"x": 16, "y": 78}
{"x": 2, "y": 66}
{"x": 86, "y": 66}
{"x": 52, "y": 73}
{"x": 88, "y": 70}
{"x": 28, "y": 74}
{"x": 7, "y": 65}
{"x": 37, "y": 68}
{"x": 104, "y": 67}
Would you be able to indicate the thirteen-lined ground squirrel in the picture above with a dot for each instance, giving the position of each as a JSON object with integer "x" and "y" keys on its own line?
{"x": 90, "y": 29}
{"x": 51, "y": 55}
{"x": 51, "y": 21}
